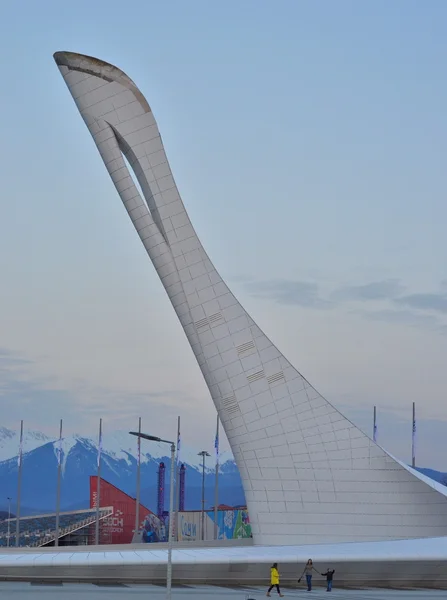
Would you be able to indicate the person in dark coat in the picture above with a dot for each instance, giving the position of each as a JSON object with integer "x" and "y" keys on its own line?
{"x": 329, "y": 577}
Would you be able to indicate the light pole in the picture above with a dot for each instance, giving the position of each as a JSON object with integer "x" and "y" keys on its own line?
{"x": 216, "y": 484}
{"x": 58, "y": 488}
{"x": 137, "y": 511}
{"x": 153, "y": 438}
{"x": 203, "y": 454}
{"x": 9, "y": 521}
{"x": 98, "y": 485}
{"x": 413, "y": 438}
{"x": 19, "y": 486}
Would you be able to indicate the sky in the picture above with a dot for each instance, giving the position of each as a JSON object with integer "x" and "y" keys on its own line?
{"x": 308, "y": 141}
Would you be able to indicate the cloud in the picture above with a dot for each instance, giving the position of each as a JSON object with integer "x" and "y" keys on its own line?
{"x": 406, "y": 310}
{"x": 376, "y": 290}
{"x": 307, "y": 293}
{"x": 14, "y": 368}
{"x": 41, "y": 402}
{"x": 240, "y": 278}
{"x": 430, "y": 302}
{"x": 405, "y": 317}
{"x": 297, "y": 293}
{"x": 28, "y": 396}
{"x": 10, "y": 360}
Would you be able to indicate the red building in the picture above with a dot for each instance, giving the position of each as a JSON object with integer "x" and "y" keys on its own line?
{"x": 119, "y": 527}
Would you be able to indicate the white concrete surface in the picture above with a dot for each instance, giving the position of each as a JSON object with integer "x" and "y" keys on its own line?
{"x": 409, "y": 563}
{"x": 309, "y": 475}
{"x": 23, "y": 591}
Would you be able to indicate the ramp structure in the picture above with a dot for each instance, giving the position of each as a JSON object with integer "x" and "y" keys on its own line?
{"x": 309, "y": 475}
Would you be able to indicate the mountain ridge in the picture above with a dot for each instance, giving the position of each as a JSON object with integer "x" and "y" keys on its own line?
{"x": 79, "y": 455}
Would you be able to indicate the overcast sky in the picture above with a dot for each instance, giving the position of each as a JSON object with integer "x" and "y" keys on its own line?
{"x": 308, "y": 141}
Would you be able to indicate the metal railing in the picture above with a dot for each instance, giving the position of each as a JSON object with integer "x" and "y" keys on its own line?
{"x": 50, "y": 534}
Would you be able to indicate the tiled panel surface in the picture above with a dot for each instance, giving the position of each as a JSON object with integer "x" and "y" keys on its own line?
{"x": 309, "y": 474}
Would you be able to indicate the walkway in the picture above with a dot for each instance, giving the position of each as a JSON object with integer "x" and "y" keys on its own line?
{"x": 71, "y": 591}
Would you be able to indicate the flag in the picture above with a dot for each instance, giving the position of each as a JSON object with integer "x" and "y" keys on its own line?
{"x": 139, "y": 443}
{"x": 59, "y": 453}
{"x": 59, "y": 449}
{"x": 19, "y": 458}
{"x": 100, "y": 442}
{"x": 139, "y": 451}
{"x": 414, "y": 436}
{"x": 375, "y": 426}
{"x": 216, "y": 441}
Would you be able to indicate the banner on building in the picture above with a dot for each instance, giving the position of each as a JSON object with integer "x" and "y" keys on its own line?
{"x": 119, "y": 528}
{"x": 231, "y": 525}
{"x": 153, "y": 530}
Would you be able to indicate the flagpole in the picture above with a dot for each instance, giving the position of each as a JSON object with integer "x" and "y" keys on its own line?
{"x": 58, "y": 490}
{"x": 216, "y": 485}
{"x": 98, "y": 484}
{"x": 177, "y": 484}
{"x": 375, "y": 426}
{"x": 137, "y": 510}
{"x": 19, "y": 486}
{"x": 413, "y": 440}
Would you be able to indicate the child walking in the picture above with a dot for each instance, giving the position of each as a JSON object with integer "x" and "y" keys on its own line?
{"x": 274, "y": 580}
{"x": 329, "y": 577}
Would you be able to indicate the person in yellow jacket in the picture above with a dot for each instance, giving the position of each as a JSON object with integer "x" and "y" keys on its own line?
{"x": 274, "y": 580}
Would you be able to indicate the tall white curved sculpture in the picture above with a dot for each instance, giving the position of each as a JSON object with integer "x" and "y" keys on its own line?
{"x": 309, "y": 475}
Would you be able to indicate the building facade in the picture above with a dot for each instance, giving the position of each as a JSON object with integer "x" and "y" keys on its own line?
{"x": 309, "y": 474}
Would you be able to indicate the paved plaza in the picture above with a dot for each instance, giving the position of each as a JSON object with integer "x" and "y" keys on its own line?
{"x": 72, "y": 591}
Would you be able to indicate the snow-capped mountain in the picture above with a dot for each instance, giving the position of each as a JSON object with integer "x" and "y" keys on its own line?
{"x": 79, "y": 456}
{"x": 118, "y": 445}
{"x": 9, "y": 442}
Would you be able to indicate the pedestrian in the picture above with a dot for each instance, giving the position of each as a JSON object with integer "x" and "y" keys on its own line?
{"x": 308, "y": 571}
{"x": 274, "y": 580}
{"x": 329, "y": 577}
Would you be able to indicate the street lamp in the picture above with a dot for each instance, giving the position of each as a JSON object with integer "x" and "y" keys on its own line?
{"x": 203, "y": 454}
{"x": 153, "y": 438}
{"x": 9, "y": 521}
